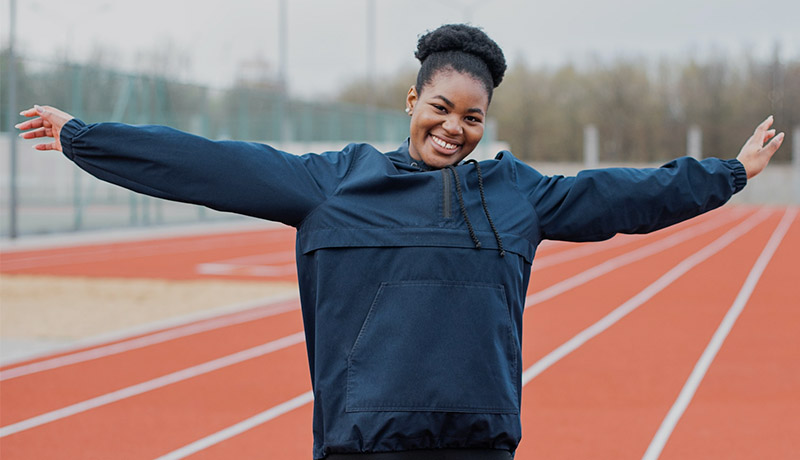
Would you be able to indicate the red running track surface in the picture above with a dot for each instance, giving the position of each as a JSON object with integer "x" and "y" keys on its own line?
{"x": 613, "y": 334}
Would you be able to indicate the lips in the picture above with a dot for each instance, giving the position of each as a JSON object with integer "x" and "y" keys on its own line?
{"x": 443, "y": 146}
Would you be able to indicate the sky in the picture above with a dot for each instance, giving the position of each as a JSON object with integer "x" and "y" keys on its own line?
{"x": 205, "y": 41}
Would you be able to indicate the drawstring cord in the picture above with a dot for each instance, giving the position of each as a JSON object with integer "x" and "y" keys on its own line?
{"x": 485, "y": 208}
{"x": 463, "y": 208}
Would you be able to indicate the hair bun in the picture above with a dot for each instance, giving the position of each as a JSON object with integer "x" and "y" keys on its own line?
{"x": 467, "y": 39}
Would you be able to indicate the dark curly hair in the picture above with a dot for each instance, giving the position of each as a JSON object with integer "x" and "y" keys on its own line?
{"x": 461, "y": 48}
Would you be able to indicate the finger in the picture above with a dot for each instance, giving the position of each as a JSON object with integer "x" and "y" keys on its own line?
{"x": 774, "y": 144}
{"x": 48, "y": 146}
{"x": 30, "y": 124}
{"x": 764, "y": 125}
{"x": 38, "y": 110}
{"x": 32, "y": 112}
{"x": 41, "y": 132}
{"x": 762, "y": 133}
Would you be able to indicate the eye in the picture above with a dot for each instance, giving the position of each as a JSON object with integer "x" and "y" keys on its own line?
{"x": 439, "y": 108}
{"x": 472, "y": 119}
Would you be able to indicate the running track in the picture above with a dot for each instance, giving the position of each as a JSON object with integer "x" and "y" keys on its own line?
{"x": 682, "y": 344}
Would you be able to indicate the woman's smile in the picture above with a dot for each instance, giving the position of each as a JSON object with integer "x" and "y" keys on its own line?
{"x": 445, "y": 147}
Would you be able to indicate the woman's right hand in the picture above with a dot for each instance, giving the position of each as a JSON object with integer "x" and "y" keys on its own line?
{"x": 758, "y": 150}
{"x": 48, "y": 124}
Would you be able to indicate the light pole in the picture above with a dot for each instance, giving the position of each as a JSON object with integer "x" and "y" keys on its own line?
{"x": 283, "y": 58}
{"x": 12, "y": 105}
{"x": 371, "y": 58}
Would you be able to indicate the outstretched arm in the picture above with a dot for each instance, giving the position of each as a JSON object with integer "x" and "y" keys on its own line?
{"x": 758, "y": 150}
{"x": 241, "y": 177}
{"x": 597, "y": 204}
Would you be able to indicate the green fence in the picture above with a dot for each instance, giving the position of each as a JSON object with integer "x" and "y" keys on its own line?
{"x": 54, "y": 196}
{"x": 254, "y": 111}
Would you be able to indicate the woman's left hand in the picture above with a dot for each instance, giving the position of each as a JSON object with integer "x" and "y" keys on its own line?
{"x": 49, "y": 124}
{"x": 755, "y": 155}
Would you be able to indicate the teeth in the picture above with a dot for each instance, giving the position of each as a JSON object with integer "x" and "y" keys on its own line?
{"x": 443, "y": 143}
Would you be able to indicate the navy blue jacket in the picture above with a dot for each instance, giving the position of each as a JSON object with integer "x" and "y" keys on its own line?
{"x": 413, "y": 333}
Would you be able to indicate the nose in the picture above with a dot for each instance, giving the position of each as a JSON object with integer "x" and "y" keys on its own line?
{"x": 452, "y": 125}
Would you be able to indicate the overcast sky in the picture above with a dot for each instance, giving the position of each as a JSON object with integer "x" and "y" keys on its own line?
{"x": 327, "y": 38}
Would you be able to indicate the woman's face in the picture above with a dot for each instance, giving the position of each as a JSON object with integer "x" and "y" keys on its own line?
{"x": 447, "y": 118}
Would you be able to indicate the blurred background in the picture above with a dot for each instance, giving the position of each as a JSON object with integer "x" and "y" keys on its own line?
{"x": 589, "y": 84}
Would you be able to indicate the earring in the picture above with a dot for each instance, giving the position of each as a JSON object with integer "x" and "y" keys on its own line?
{"x": 408, "y": 110}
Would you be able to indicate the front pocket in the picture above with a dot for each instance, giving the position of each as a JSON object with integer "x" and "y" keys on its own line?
{"x": 435, "y": 346}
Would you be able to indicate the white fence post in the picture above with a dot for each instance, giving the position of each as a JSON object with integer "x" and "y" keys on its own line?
{"x": 694, "y": 142}
{"x": 591, "y": 150}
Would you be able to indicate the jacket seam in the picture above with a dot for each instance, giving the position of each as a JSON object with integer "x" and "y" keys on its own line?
{"x": 526, "y": 200}
{"x": 338, "y": 187}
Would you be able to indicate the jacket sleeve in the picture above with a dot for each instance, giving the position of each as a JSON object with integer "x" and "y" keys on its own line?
{"x": 241, "y": 177}
{"x": 597, "y": 204}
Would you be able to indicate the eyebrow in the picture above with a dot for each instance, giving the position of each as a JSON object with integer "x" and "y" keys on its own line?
{"x": 451, "y": 105}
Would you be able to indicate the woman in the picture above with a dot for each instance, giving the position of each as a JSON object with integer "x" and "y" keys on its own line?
{"x": 413, "y": 265}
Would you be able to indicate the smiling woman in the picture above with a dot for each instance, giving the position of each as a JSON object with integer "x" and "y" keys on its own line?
{"x": 412, "y": 312}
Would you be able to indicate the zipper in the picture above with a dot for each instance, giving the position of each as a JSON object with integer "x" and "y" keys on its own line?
{"x": 446, "y": 195}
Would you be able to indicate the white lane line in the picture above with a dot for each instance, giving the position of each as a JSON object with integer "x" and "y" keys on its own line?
{"x": 583, "y": 250}
{"x": 622, "y": 260}
{"x": 108, "y": 252}
{"x": 241, "y": 427}
{"x": 153, "y": 384}
{"x": 265, "y": 271}
{"x": 264, "y": 265}
{"x": 586, "y": 249}
{"x": 131, "y": 235}
{"x": 269, "y": 258}
{"x": 701, "y": 367}
{"x": 140, "y": 342}
{"x": 643, "y": 296}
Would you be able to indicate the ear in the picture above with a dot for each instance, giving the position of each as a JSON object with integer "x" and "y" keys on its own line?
{"x": 411, "y": 99}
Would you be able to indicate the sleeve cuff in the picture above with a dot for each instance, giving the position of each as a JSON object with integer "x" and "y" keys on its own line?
{"x": 68, "y": 133}
{"x": 739, "y": 174}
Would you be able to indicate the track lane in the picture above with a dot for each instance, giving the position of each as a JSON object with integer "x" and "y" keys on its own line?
{"x": 251, "y": 311}
{"x": 32, "y": 395}
{"x": 165, "y": 258}
{"x": 289, "y": 437}
{"x": 552, "y": 322}
{"x": 747, "y": 405}
{"x": 607, "y": 398}
{"x": 218, "y": 438}
{"x": 549, "y": 271}
{"x": 149, "y": 424}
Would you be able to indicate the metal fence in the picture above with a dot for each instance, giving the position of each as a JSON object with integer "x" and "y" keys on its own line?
{"x": 52, "y": 195}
